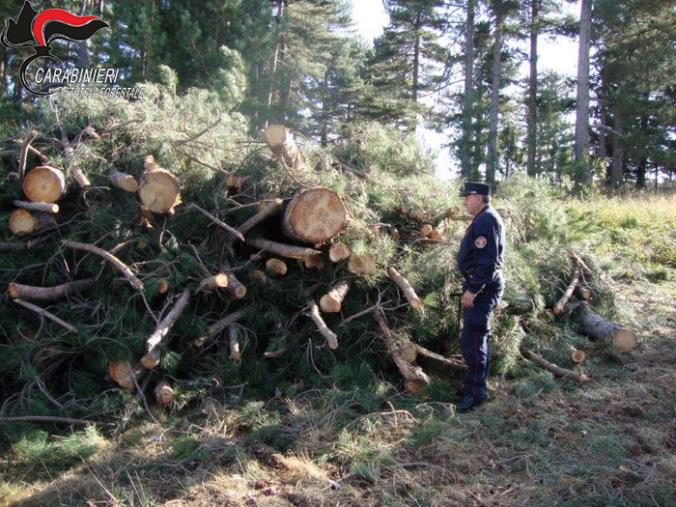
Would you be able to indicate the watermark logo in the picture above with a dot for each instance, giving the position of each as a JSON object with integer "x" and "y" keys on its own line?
{"x": 38, "y": 31}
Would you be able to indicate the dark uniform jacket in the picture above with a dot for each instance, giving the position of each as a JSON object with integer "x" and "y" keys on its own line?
{"x": 481, "y": 254}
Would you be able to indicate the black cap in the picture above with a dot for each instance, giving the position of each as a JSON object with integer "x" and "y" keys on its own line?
{"x": 473, "y": 187}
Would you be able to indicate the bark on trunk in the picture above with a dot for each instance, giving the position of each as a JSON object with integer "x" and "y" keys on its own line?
{"x": 533, "y": 87}
{"x": 406, "y": 288}
{"x": 152, "y": 357}
{"x": 597, "y": 328}
{"x": 582, "y": 109}
{"x": 217, "y": 281}
{"x": 555, "y": 369}
{"x": 492, "y": 155}
{"x": 315, "y": 216}
{"x": 618, "y": 150}
{"x": 468, "y": 97}
{"x": 44, "y": 207}
{"x": 289, "y": 251}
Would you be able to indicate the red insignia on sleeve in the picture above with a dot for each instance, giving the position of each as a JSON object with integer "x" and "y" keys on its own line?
{"x": 480, "y": 242}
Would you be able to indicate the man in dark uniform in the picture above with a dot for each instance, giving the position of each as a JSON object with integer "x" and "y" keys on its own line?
{"x": 480, "y": 260}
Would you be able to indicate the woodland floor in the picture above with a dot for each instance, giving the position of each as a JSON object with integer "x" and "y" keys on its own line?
{"x": 540, "y": 441}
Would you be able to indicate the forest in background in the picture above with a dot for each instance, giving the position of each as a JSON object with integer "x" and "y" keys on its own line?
{"x": 299, "y": 63}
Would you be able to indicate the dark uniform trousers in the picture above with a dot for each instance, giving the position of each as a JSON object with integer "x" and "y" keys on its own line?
{"x": 475, "y": 336}
{"x": 480, "y": 260}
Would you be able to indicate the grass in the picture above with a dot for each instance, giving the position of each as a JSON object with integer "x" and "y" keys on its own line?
{"x": 540, "y": 441}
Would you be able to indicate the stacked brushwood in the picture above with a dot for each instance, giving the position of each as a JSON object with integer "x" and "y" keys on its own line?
{"x": 168, "y": 260}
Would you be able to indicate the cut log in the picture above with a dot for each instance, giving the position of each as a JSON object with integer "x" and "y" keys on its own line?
{"x": 22, "y": 222}
{"x": 44, "y": 184}
{"x": 217, "y": 281}
{"x": 280, "y": 140}
{"x": 159, "y": 190}
{"x": 415, "y": 379}
{"x": 560, "y": 305}
{"x": 124, "y": 374}
{"x": 331, "y": 337}
{"x": 289, "y": 251}
{"x": 235, "y": 288}
{"x": 436, "y": 235}
{"x": 260, "y": 276}
{"x": 597, "y": 328}
{"x": 426, "y": 230}
{"x": 80, "y": 177}
{"x": 577, "y": 356}
{"x": 332, "y": 301}
{"x": 164, "y": 393}
{"x": 275, "y": 267}
{"x": 314, "y": 262}
{"x": 44, "y": 207}
{"x": 117, "y": 263}
{"x": 123, "y": 181}
{"x": 583, "y": 293}
{"x": 152, "y": 357}
{"x": 235, "y": 182}
{"x": 426, "y": 356}
{"x": 315, "y": 216}
{"x": 30, "y": 293}
{"x": 339, "y": 251}
{"x": 266, "y": 209}
{"x": 362, "y": 265}
{"x": 555, "y": 369}
{"x": 163, "y": 286}
{"x": 406, "y": 288}
{"x": 219, "y": 326}
{"x": 235, "y": 352}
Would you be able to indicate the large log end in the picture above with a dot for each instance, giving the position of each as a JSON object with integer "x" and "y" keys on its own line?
{"x": 159, "y": 191}
{"x": 315, "y": 216}
{"x": 624, "y": 340}
{"x": 44, "y": 184}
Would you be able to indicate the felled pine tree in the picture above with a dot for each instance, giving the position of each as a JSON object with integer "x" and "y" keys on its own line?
{"x": 265, "y": 271}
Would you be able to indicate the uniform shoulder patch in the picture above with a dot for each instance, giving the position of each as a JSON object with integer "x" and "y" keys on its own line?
{"x": 480, "y": 242}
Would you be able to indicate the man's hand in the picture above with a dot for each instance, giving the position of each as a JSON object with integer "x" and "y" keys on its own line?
{"x": 468, "y": 299}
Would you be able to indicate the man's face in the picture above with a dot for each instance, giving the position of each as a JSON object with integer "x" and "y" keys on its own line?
{"x": 473, "y": 204}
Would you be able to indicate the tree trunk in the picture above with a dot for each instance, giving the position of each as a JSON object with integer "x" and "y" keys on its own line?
{"x": 22, "y": 221}
{"x": 468, "y": 98}
{"x": 643, "y": 160}
{"x": 533, "y": 88}
{"x": 492, "y": 156}
{"x": 332, "y": 301}
{"x": 280, "y": 140}
{"x": 416, "y": 68}
{"x": 582, "y": 109}
{"x": 278, "y": 49}
{"x": 597, "y": 328}
{"x": 618, "y": 150}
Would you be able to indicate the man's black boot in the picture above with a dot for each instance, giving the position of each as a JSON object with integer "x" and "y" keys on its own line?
{"x": 469, "y": 402}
